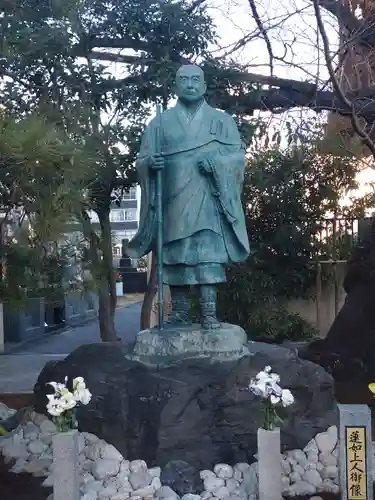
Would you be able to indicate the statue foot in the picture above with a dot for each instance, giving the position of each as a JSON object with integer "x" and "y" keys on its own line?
{"x": 210, "y": 323}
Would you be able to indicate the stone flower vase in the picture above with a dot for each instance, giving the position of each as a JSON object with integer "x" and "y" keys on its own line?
{"x": 269, "y": 465}
{"x": 65, "y": 466}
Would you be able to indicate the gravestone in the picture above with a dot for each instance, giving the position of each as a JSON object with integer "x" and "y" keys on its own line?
{"x": 355, "y": 452}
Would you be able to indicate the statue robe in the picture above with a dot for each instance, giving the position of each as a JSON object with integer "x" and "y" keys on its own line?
{"x": 204, "y": 224}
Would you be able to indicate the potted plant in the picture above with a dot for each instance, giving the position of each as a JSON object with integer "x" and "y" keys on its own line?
{"x": 62, "y": 405}
{"x": 266, "y": 386}
{"x": 119, "y": 285}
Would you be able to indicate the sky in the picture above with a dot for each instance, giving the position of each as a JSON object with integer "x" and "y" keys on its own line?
{"x": 296, "y": 47}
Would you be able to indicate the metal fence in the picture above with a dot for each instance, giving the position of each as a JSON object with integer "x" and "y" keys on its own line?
{"x": 338, "y": 237}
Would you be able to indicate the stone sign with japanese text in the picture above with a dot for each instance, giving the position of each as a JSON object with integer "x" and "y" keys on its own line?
{"x": 355, "y": 459}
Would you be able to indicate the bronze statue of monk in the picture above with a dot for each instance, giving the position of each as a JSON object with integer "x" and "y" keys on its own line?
{"x": 203, "y": 159}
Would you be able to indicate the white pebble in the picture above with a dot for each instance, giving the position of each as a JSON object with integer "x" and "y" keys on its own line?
{"x": 222, "y": 492}
{"x": 327, "y": 459}
{"x": 213, "y": 483}
{"x": 294, "y": 477}
{"x": 299, "y": 469}
{"x": 330, "y": 486}
{"x": 138, "y": 465}
{"x": 121, "y": 496}
{"x": 285, "y": 483}
{"x": 310, "y": 465}
{"x": 110, "y": 452}
{"x": 90, "y": 495}
{"x": 231, "y": 484}
{"x": 312, "y": 477}
{"x": 155, "y": 483}
{"x": 36, "y": 447}
{"x": 48, "y": 482}
{"x": 140, "y": 479}
{"x": 204, "y": 474}
{"x": 155, "y": 472}
{"x": 15, "y": 448}
{"x": 107, "y": 491}
{"x": 285, "y": 467}
{"x": 206, "y": 495}
{"x": 330, "y": 472}
{"x": 92, "y": 452}
{"x": 311, "y": 447}
{"x": 190, "y": 496}
{"x": 165, "y": 493}
{"x": 92, "y": 486}
{"x": 326, "y": 441}
{"x": 104, "y": 468}
{"x": 46, "y": 438}
{"x": 237, "y": 475}
{"x": 241, "y": 467}
{"x": 299, "y": 456}
{"x": 301, "y": 488}
{"x": 47, "y": 427}
{"x": 144, "y": 492}
{"x": 312, "y": 457}
{"x": 223, "y": 471}
{"x": 86, "y": 477}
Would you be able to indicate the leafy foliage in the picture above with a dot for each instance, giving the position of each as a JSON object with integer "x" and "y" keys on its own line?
{"x": 287, "y": 195}
{"x": 41, "y": 179}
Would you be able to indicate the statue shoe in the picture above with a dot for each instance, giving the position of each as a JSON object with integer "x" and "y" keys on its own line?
{"x": 210, "y": 322}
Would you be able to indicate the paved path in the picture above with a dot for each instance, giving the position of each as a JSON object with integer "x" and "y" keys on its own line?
{"x": 127, "y": 325}
{"x": 19, "y": 371}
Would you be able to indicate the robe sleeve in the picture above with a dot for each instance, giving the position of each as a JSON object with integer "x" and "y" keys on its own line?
{"x": 143, "y": 241}
{"x": 226, "y": 172}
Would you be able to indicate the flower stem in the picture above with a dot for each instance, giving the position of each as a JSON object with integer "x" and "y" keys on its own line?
{"x": 270, "y": 416}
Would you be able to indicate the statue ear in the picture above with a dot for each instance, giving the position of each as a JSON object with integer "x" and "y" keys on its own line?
{"x": 174, "y": 87}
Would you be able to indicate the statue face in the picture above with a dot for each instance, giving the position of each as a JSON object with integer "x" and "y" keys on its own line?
{"x": 190, "y": 84}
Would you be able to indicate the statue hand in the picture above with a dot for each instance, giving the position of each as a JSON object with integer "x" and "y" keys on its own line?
{"x": 156, "y": 162}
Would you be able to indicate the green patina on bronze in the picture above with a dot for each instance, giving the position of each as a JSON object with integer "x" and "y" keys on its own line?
{"x": 202, "y": 165}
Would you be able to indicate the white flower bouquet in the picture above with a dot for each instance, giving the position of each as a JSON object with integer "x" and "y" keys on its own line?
{"x": 266, "y": 385}
{"x": 63, "y": 403}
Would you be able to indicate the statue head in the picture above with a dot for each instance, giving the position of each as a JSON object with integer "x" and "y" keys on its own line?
{"x": 190, "y": 84}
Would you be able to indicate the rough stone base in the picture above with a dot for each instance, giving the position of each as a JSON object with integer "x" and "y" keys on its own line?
{"x": 227, "y": 342}
{"x": 197, "y": 410}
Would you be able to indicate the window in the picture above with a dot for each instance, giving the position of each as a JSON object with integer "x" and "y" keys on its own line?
{"x": 123, "y": 214}
{"x": 131, "y": 194}
{"x": 117, "y": 215}
{"x": 130, "y": 213}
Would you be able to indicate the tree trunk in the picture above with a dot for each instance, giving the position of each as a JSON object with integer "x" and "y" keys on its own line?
{"x": 106, "y": 283}
{"x": 149, "y": 296}
{"x": 106, "y": 317}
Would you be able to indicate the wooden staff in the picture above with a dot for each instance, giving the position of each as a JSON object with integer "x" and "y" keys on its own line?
{"x": 159, "y": 222}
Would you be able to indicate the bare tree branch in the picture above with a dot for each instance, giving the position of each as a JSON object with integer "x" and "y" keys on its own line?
{"x": 353, "y": 117}
{"x": 263, "y": 32}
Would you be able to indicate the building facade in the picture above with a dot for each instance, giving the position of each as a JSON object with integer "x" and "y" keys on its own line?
{"x": 124, "y": 217}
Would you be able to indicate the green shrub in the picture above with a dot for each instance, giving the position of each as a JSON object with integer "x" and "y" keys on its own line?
{"x": 262, "y": 317}
{"x": 276, "y": 325}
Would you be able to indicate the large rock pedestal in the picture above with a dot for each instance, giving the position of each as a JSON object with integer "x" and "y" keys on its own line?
{"x": 198, "y": 409}
{"x": 176, "y": 342}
